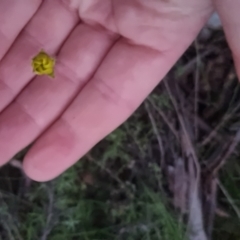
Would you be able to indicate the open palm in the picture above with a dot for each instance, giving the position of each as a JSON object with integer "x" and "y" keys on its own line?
{"x": 110, "y": 54}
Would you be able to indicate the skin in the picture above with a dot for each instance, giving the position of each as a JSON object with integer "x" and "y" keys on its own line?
{"x": 109, "y": 56}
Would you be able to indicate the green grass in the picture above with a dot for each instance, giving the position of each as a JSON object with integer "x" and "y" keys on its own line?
{"x": 122, "y": 202}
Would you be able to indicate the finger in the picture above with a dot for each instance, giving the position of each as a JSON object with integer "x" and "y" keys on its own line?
{"x": 44, "y": 99}
{"x": 229, "y": 14}
{"x": 124, "y": 79}
{"x": 14, "y": 15}
{"x": 47, "y": 30}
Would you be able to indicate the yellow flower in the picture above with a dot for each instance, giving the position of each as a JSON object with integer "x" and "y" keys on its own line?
{"x": 43, "y": 64}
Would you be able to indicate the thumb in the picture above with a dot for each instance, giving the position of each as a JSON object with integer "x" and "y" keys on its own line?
{"x": 229, "y": 14}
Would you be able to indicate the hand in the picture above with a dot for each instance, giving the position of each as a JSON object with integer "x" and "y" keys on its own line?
{"x": 106, "y": 64}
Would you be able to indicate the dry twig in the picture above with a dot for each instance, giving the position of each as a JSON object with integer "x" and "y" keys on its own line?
{"x": 195, "y": 219}
{"x": 196, "y": 91}
{"x": 156, "y": 132}
{"x": 215, "y": 131}
{"x": 50, "y": 222}
{"x": 229, "y": 198}
{"x": 165, "y": 118}
{"x": 217, "y": 164}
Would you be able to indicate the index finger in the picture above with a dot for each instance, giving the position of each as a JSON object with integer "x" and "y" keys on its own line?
{"x": 14, "y": 15}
